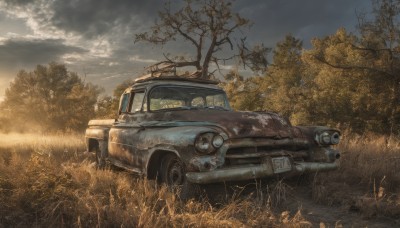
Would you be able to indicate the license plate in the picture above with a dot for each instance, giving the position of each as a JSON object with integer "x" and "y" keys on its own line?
{"x": 281, "y": 164}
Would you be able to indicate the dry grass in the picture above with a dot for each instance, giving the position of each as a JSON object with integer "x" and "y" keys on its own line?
{"x": 368, "y": 179}
{"x": 49, "y": 181}
{"x": 46, "y": 181}
{"x": 61, "y": 147}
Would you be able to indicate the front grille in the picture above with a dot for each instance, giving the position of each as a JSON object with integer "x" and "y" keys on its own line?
{"x": 254, "y": 155}
{"x": 253, "y": 150}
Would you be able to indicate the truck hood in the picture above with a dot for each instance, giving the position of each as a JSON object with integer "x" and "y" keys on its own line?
{"x": 235, "y": 124}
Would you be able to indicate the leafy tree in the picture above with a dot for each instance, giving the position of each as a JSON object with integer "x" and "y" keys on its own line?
{"x": 107, "y": 106}
{"x": 380, "y": 41}
{"x": 209, "y": 26}
{"x": 243, "y": 94}
{"x": 367, "y": 71}
{"x": 51, "y": 98}
{"x": 345, "y": 80}
{"x": 335, "y": 93}
{"x": 285, "y": 83}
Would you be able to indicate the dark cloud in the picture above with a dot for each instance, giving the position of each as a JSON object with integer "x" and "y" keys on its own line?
{"x": 27, "y": 53}
{"x": 18, "y": 2}
{"x": 90, "y": 18}
{"x": 304, "y": 19}
{"x": 272, "y": 19}
{"x": 98, "y": 17}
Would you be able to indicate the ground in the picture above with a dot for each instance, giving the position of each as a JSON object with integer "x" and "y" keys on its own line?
{"x": 335, "y": 215}
{"x": 48, "y": 180}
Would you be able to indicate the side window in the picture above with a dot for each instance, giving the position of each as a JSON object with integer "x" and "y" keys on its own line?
{"x": 137, "y": 101}
{"x": 123, "y": 105}
{"x": 216, "y": 100}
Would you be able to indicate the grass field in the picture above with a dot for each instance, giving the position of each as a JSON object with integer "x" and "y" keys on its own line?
{"x": 48, "y": 181}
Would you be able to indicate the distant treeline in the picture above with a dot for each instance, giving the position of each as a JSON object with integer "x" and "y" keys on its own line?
{"x": 49, "y": 98}
{"x": 52, "y": 99}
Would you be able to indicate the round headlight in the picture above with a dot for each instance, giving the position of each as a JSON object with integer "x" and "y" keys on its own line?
{"x": 203, "y": 143}
{"x": 217, "y": 141}
{"x": 335, "y": 138}
{"x": 325, "y": 138}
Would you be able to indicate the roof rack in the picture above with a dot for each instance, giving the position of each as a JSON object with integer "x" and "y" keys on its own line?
{"x": 166, "y": 70}
{"x": 162, "y": 68}
{"x": 175, "y": 78}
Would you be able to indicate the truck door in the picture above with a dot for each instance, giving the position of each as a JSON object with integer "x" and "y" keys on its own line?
{"x": 124, "y": 134}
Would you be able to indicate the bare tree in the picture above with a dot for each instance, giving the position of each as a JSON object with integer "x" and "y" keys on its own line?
{"x": 208, "y": 25}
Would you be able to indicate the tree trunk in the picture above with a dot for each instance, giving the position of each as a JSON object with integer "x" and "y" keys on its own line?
{"x": 207, "y": 59}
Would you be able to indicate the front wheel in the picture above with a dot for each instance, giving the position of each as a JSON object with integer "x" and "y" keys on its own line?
{"x": 173, "y": 174}
{"x": 172, "y": 171}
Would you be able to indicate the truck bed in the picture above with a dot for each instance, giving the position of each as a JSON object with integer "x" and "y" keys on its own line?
{"x": 98, "y": 129}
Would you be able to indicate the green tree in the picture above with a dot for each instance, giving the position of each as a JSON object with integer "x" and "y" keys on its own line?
{"x": 335, "y": 93}
{"x": 345, "y": 80}
{"x": 285, "y": 83}
{"x": 244, "y": 94}
{"x": 51, "y": 98}
{"x": 107, "y": 106}
{"x": 380, "y": 41}
{"x": 209, "y": 26}
{"x": 360, "y": 74}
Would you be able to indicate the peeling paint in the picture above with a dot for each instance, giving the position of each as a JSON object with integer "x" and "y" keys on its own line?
{"x": 264, "y": 120}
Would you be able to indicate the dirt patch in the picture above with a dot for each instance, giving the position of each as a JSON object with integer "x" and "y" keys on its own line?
{"x": 346, "y": 213}
{"x": 330, "y": 204}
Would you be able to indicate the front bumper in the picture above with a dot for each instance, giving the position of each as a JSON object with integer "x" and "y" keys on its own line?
{"x": 248, "y": 172}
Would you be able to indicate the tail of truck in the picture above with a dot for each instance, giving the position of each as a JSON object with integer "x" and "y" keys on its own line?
{"x": 96, "y": 134}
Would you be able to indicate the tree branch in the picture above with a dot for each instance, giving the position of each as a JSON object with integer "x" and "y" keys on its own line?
{"x": 322, "y": 60}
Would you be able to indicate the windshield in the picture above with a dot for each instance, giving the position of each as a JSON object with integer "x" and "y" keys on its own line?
{"x": 179, "y": 97}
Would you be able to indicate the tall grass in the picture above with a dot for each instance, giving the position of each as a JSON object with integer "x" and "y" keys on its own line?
{"x": 63, "y": 147}
{"x": 47, "y": 181}
{"x": 368, "y": 179}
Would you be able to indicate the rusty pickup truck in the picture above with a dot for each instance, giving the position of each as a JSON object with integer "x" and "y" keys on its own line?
{"x": 181, "y": 130}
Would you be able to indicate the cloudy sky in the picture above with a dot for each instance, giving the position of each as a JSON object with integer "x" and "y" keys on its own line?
{"x": 96, "y": 37}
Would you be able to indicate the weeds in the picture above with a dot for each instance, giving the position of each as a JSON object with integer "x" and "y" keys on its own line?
{"x": 50, "y": 181}
{"x": 368, "y": 179}
{"x": 46, "y": 181}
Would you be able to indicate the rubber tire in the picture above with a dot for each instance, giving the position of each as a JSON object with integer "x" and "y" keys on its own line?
{"x": 173, "y": 174}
